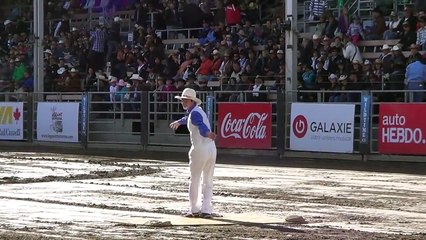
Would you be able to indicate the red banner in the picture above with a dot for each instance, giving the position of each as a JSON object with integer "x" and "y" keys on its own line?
{"x": 245, "y": 125}
{"x": 402, "y": 129}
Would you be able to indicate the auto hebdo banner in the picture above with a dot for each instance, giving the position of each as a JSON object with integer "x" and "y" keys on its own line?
{"x": 402, "y": 128}
{"x": 57, "y": 122}
{"x": 322, "y": 127}
{"x": 244, "y": 125}
{"x": 11, "y": 121}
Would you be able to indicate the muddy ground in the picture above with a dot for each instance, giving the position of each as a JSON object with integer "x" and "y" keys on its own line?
{"x": 68, "y": 194}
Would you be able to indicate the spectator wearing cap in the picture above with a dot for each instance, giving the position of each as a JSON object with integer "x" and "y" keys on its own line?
{"x": 135, "y": 95}
{"x": 367, "y": 72}
{"x": 414, "y": 53}
{"x": 280, "y": 56}
{"x": 59, "y": 82}
{"x": 408, "y": 36}
{"x": 421, "y": 34}
{"x": 73, "y": 81}
{"x": 397, "y": 55}
{"x": 112, "y": 89}
{"x": 386, "y": 58}
{"x": 415, "y": 76}
{"x": 217, "y": 61}
{"x": 257, "y": 90}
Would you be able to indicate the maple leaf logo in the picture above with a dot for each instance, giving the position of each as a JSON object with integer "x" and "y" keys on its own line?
{"x": 17, "y": 114}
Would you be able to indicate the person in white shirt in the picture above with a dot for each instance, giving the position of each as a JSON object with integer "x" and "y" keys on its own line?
{"x": 202, "y": 155}
{"x": 352, "y": 53}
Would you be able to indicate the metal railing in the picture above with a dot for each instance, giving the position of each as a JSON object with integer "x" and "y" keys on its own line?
{"x": 144, "y": 121}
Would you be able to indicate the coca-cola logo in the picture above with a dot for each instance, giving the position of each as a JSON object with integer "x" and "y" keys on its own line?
{"x": 251, "y": 127}
{"x": 300, "y": 126}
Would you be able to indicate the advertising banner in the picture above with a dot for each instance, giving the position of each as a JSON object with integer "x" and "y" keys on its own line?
{"x": 245, "y": 125}
{"x": 11, "y": 121}
{"x": 402, "y": 129}
{"x": 322, "y": 127}
{"x": 57, "y": 122}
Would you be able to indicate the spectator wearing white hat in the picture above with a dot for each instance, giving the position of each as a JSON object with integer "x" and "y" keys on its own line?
{"x": 73, "y": 82}
{"x": 397, "y": 55}
{"x": 386, "y": 58}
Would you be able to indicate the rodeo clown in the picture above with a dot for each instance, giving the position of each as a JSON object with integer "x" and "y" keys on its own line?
{"x": 202, "y": 155}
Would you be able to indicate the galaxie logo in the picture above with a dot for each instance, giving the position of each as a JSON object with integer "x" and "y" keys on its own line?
{"x": 300, "y": 126}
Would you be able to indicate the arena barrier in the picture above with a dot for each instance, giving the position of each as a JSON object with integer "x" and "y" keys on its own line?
{"x": 341, "y": 124}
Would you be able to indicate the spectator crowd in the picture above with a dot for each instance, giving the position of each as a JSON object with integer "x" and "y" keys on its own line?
{"x": 234, "y": 47}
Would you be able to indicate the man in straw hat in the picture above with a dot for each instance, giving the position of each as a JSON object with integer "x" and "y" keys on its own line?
{"x": 202, "y": 155}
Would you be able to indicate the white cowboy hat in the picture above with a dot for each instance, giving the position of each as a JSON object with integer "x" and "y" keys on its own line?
{"x": 189, "y": 93}
{"x": 73, "y": 70}
{"x": 386, "y": 47}
{"x": 333, "y": 76}
{"x": 61, "y": 70}
{"x": 7, "y": 22}
{"x": 136, "y": 77}
{"x": 395, "y": 48}
{"x": 343, "y": 77}
{"x": 48, "y": 51}
{"x": 117, "y": 19}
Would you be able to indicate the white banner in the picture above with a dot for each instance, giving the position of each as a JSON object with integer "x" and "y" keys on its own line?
{"x": 57, "y": 122}
{"x": 11, "y": 121}
{"x": 322, "y": 127}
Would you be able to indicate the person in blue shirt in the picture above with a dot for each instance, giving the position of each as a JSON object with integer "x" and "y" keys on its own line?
{"x": 202, "y": 155}
{"x": 415, "y": 76}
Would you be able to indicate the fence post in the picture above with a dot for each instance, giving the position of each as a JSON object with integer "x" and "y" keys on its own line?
{"x": 30, "y": 114}
{"x": 210, "y": 110}
{"x": 364, "y": 140}
{"x": 144, "y": 118}
{"x": 84, "y": 119}
{"x": 280, "y": 108}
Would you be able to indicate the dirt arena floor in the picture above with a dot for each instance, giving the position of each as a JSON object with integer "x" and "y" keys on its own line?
{"x": 70, "y": 194}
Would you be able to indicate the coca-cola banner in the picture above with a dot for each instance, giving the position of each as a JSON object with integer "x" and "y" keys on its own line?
{"x": 245, "y": 125}
{"x": 322, "y": 127}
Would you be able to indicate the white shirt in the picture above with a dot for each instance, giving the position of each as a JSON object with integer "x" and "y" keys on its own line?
{"x": 350, "y": 51}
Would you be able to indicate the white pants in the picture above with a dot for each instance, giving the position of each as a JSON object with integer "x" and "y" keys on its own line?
{"x": 202, "y": 160}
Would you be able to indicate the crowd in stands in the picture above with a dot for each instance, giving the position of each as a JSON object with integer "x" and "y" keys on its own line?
{"x": 101, "y": 59}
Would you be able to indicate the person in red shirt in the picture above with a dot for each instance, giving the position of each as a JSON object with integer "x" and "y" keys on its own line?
{"x": 204, "y": 72}
{"x": 217, "y": 61}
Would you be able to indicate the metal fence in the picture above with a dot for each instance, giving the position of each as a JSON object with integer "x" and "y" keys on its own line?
{"x": 143, "y": 121}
